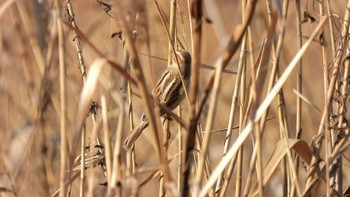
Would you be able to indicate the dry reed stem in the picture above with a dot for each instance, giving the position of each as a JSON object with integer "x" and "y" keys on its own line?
{"x": 208, "y": 128}
{"x": 180, "y": 151}
{"x": 272, "y": 22}
{"x": 342, "y": 122}
{"x": 260, "y": 81}
{"x": 130, "y": 155}
{"x": 299, "y": 84}
{"x": 93, "y": 160}
{"x": 190, "y": 22}
{"x": 172, "y": 29}
{"x": 284, "y": 132}
{"x": 342, "y": 125}
{"x": 196, "y": 14}
{"x": 324, "y": 50}
{"x": 67, "y": 183}
{"x": 260, "y": 61}
{"x": 234, "y": 100}
{"x": 298, "y": 128}
{"x": 196, "y": 34}
{"x": 331, "y": 28}
{"x": 116, "y": 176}
{"x": 144, "y": 94}
{"x": 77, "y": 41}
{"x": 63, "y": 112}
{"x": 82, "y": 161}
{"x": 172, "y": 42}
{"x": 106, "y": 136}
{"x": 165, "y": 140}
{"x": 240, "y": 154}
{"x": 78, "y": 45}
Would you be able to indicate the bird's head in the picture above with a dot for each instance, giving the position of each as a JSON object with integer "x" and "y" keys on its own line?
{"x": 184, "y": 58}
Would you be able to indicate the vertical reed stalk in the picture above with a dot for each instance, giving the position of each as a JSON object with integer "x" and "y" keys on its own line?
{"x": 62, "y": 71}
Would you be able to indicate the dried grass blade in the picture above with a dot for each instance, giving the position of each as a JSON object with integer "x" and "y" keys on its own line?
{"x": 88, "y": 91}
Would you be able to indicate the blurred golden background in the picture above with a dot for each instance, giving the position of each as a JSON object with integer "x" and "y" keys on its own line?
{"x": 30, "y": 102}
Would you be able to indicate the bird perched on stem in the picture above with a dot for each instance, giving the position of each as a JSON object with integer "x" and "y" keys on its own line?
{"x": 169, "y": 91}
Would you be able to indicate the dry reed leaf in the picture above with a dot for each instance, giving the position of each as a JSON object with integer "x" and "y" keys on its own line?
{"x": 280, "y": 151}
{"x": 69, "y": 181}
{"x": 149, "y": 178}
{"x": 88, "y": 90}
{"x": 306, "y": 100}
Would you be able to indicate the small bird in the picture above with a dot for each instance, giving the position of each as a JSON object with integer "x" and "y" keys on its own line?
{"x": 169, "y": 91}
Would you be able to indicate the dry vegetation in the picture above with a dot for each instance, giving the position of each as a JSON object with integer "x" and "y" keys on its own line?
{"x": 265, "y": 115}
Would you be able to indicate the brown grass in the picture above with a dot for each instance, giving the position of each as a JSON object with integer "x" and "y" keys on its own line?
{"x": 265, "y": 114}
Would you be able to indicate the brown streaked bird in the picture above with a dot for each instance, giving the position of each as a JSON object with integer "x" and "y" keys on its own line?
{"x": 169, "y": 91}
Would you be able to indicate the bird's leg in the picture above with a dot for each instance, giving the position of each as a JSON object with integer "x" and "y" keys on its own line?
{"x": 167, "y": 134}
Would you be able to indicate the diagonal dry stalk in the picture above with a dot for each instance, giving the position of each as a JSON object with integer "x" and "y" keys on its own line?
{"x": 259, "y": 113}
{"x": 78, "y": 44}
